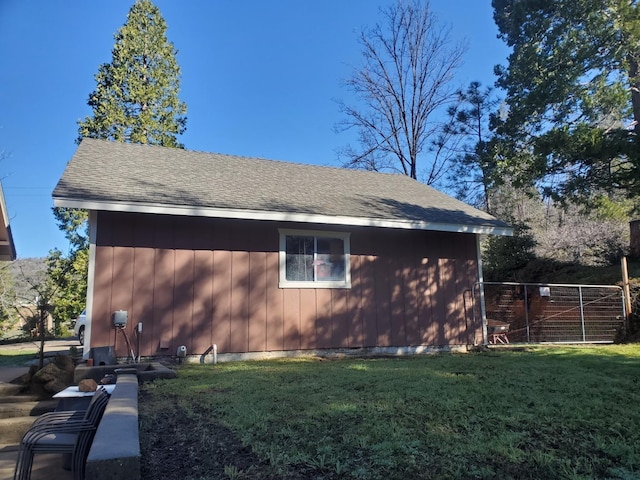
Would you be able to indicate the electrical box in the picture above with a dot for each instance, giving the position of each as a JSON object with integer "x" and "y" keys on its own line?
{"x": 120, "y": 318}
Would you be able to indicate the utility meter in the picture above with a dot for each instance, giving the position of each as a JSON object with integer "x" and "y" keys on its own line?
{"x": 120, "y": 318}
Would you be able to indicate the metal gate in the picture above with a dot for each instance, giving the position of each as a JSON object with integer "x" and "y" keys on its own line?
{"x": 548, "y": 313}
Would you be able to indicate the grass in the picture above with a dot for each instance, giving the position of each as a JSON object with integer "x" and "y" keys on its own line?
{"x": 17, "y": 358}
{"x": 561, "y": 412}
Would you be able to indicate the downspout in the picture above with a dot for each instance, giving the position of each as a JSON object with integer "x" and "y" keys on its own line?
{"x": 93, "y": 231}
{"x": 483, "y": 311}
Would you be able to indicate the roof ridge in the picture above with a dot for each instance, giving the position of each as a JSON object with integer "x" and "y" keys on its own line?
{"x": 261, "y": 159}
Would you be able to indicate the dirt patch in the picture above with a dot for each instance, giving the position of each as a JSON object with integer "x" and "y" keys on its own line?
{"x": 180, "y": 443}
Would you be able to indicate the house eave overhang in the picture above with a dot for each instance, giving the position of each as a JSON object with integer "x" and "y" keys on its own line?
{"x": 242, "y": 214}
{"x": 7, "y": 246}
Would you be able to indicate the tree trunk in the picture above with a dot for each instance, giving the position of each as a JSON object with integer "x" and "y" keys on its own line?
{"x": 634, "y": 81}
{"x": 41, "y": 322}
{"x": 634, "y": 230}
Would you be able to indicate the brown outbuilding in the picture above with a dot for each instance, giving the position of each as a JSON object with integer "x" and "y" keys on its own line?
{"x": 254, "y": 255}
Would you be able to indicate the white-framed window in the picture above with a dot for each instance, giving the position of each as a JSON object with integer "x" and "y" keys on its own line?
{"x": 314, "y": 259}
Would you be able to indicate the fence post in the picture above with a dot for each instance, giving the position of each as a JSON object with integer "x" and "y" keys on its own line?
{"x": 483, "y": 314}
{"x": 483, "y": 311}
{"x": 584, "y": 334}
{"x": 625, "y": 289}
{"x": 526, "y": 311}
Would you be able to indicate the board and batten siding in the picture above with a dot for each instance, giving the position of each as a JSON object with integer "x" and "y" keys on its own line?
{"x": 200, "y": 281}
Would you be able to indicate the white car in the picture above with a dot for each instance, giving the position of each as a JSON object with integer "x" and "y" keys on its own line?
{"x": 79, "y": 327}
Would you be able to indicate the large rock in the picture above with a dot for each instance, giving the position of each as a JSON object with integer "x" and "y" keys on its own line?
{"x": 25, "y": 379}
{"x": 64, "y": 362}
{"x": 55, "y": 376}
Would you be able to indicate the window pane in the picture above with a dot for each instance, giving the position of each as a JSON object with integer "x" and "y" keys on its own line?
{"x": 330, "y": 259}
{"x": 299, "y": 259}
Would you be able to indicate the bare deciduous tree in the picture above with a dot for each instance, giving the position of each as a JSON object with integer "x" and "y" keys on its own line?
{"x": 404, "y": 81}
{"x": 573, "y": 236}
{"x": 566, "y": 233}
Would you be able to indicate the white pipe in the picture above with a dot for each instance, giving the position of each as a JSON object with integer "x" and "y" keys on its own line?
{"x": 215, "y": 353}
{"x": 138, "y": 335}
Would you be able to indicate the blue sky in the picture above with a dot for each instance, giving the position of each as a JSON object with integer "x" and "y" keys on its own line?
{"x": 260, "y": 78}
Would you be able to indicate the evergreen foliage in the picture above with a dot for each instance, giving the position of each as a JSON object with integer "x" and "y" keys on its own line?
{"x": 73, "y": 222}
{"x": 473, "y": 172}
{"x": 135, "y": 101}
{"x": 504, "y": 256}
{"x": 68, "y": 278}
{"x": 136, "y": 98}
{"x": 573, "y": 94}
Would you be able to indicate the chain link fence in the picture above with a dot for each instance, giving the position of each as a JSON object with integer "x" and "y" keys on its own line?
{"x": 548, "y": 313}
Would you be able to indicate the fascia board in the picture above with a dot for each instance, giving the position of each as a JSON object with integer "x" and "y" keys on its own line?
{"x": 239, "y": 214}
{"x": 11, "y": 254}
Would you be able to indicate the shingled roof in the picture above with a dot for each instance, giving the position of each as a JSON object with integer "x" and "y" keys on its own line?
{"x": 104, "y": 175}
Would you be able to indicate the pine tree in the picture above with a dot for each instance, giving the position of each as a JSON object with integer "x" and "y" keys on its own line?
{"x": 472, "y": 171}
{"x": 135, "y": 101}
{"x": 136, "y": 98}
{"x": 572, "y": 94}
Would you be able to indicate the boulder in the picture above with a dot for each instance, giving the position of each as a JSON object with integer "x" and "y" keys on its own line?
{"x": 64, "y": 362}
{"x": 54, "y": 376}
{"x": 47, "y": 373}
{"x": 24, "y": 379}
{"x": 56, "y": 385}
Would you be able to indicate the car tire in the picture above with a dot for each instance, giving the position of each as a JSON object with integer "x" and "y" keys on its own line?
{"x": 81, "y": 336}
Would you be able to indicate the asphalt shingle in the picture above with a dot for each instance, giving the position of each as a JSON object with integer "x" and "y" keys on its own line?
{"x": 107, "y": 172}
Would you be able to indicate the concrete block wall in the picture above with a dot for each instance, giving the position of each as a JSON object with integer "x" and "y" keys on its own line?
{"x": 115, "y": 453}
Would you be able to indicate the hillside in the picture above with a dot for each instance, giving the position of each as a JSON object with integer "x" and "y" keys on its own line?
{"x": 23, "y": 274}
{"x": 555, "y": 272}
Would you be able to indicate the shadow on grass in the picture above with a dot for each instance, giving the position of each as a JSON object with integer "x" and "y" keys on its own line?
{"x": 8, "y": 359}
{"x": 539, "y": 412}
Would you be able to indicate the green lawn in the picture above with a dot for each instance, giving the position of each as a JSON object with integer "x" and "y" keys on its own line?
{"x": 12, "y": 358}
{"x": 557, "y": 412}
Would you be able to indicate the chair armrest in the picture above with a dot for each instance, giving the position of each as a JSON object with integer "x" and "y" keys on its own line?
{"x": 71, "y": 426}
{"x": 59, "y": 417}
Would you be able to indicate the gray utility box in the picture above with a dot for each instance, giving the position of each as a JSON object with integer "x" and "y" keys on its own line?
{"x": 120, "y": 318}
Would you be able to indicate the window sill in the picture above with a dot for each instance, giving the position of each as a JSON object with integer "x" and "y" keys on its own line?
{"x": 315, "y": 285}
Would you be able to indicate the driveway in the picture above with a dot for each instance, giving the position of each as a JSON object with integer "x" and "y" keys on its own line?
{"x": 51, "y": 347}
{"x": 62, "y": 345}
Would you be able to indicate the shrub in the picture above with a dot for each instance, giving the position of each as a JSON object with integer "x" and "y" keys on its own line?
{"x": 504, "y": 256}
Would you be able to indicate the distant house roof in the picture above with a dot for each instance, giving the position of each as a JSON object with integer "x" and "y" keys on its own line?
{"x": 7, "y": 247}
{"x": 104, "y": 175}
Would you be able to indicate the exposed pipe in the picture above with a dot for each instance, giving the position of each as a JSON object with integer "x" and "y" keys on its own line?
{"x": 126, "y": 339}
{"x": 213, "y": 348}
{"x": 138, "y": 335}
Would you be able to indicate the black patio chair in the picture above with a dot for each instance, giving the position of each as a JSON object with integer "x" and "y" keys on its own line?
{"x": 66, "y": 415}
{"x": 70, "y": 435}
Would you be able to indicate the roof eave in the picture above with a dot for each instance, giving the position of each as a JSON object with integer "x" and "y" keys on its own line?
{"x": 7, "y": 245}
{"x": 194, "y": 211}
